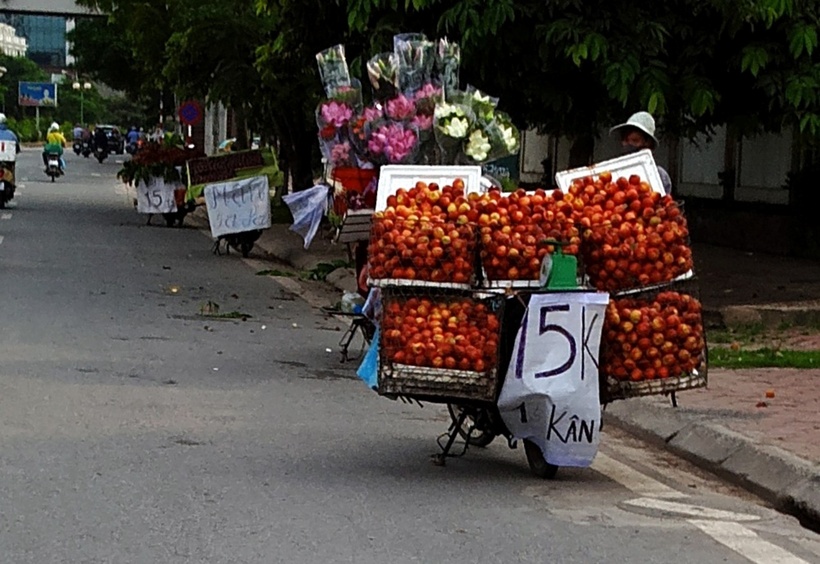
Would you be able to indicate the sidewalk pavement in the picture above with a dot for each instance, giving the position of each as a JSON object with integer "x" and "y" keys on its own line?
{"x": 771, "y": 449}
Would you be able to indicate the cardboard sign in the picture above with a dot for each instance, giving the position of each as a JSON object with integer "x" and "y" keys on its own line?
{"x": 156, "y": 197}
{"x": 550, "y": 395}
{"x": 238, "y": 206}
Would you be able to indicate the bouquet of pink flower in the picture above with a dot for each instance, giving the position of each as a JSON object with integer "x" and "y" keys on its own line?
{"x": 400, "y": 108}
{"x": 393, "y": 143}
{"x": 426, "y": 99}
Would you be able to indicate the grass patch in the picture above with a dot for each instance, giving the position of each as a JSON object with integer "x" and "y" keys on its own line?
{"x": 763, "y": 358}
{"x": 321, "y": 270}
{"x": 274, "y": 272}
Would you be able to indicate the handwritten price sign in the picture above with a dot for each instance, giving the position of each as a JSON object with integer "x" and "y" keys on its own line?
{"x": 550, "y": 394}
{"x": 156, "y": 197}
{"x": 238, "y": 206}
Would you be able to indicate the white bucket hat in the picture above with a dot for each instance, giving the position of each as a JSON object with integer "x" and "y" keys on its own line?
{"x": 642, "y": 121}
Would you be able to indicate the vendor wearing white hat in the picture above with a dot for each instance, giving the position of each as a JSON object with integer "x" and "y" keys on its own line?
{"x": 639, "y": 133}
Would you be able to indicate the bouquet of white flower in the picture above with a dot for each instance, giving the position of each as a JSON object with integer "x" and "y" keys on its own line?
{"x": 452, "y": 125}
{"x": 448, "y": 60}
{"x": 416, "y": 60}
{"x": 333, "y": 69}
{"x": 383, "y": 71}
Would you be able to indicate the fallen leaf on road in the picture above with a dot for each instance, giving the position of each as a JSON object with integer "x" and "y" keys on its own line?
{"x": 769, "y": 393}
{"x": 761, "y": 404}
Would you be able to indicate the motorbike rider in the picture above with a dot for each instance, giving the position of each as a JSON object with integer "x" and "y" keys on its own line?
{"x": 55, "y": 142}
{"x": 7, "y": 134}
{"x": 100, "y": 140}
{"x": 77, "y": 132}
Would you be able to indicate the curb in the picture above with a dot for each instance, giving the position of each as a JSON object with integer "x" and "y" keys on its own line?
{"x": 790, "y": 483}
{"x": 771, "y": 316}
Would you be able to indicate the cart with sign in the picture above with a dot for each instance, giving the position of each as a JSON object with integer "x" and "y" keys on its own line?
{"x": 534, "y": 373}
{"x": 485, "y": 307}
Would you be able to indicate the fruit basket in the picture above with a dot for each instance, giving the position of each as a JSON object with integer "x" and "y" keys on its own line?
{"x": 439, "y": 345}
{"x": 653, "y": 342}
{"x": 638, "y": 250}
{"x": 406, "y": 251}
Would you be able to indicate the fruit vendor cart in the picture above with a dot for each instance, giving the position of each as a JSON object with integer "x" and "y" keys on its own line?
{"x": 517, "y": 309}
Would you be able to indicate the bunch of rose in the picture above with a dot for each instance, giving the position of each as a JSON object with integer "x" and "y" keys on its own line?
{"x": 393, "y": 143}
{"x": 333, "y": 118}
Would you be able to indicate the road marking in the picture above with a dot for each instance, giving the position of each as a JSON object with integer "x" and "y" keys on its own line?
{"x": 1, "y": 239}
{"x": 746, "y": 543}
{"x": 688, "y": 510}
{"x": 21, "y": 186}
{"x": 97, "y": 174}
{"x": 633, "y": 480}
{"x": 5, "y": 216}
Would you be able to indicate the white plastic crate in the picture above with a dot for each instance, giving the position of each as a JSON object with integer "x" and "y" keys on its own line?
{"x": 393, "y": 177}
{"x": 641, "y": 163}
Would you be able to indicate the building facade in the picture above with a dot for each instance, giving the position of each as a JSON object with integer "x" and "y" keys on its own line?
{"x": 10, "y": 43}
{"x": 45, "y": 37}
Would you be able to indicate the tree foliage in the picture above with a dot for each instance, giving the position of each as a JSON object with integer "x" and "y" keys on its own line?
{"x": 567, "y": 67}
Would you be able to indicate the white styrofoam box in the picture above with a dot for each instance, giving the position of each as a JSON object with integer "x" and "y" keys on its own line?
{"x": 8, "y": 151}
{"x": 393, "y": 177}
{"x": 641, "y": 163}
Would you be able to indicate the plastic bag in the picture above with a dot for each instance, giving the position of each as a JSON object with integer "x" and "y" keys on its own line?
{"x": 307, "y": 207}
{"x": 369, "y": 368}
{"x": 352, "y": 303}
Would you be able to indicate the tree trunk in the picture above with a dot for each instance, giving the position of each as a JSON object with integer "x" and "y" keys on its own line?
{"x": 580, "y": 153}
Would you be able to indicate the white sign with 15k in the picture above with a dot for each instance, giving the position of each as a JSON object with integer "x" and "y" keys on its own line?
{"x": 550, "y": 394}
{"x": 238, "y": 205}
{"x": 156, "y": 196}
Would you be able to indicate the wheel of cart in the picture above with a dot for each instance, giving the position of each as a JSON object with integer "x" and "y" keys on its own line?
{"x": 478, "y": 425}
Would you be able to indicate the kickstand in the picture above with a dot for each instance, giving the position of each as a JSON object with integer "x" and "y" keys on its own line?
{"x": 439, "y": 459}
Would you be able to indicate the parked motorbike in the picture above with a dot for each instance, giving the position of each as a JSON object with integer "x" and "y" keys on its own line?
{"x": 53, "y": 166}
{"x": 101, "y": 153}
{"x": 7, "y": 185}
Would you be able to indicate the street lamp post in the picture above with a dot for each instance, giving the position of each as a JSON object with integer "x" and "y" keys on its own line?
{"x": 81, "y": 87}
{"x": 3, "y": 70}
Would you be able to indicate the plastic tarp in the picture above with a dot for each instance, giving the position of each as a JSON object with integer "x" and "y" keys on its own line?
{"x": 307, "y": 207}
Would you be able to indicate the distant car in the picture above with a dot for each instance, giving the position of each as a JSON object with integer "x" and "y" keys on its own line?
{"x": 226, "y": 146}
{"x": 116, "y": 142}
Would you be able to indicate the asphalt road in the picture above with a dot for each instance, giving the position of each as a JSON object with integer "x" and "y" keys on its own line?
{"x": 135, "y": 429}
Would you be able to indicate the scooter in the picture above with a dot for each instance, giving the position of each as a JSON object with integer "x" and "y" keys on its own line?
{"x": 7, "y": 185}
{"x": 78, "y": 146}
{"x": 53, "y": 166}
{"x": 101, "y": 154}
{"x": 86, "y": 150}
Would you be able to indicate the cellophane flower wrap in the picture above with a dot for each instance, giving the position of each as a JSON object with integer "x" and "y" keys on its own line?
{"x": 483, "y": 105}
{"x": 427, "y": 98}
{"x": 360, "y": 128}
{"x": 448, "y": 61}
{"x": 416, "y": 61}
{"x": 383, "y": 72}
{"x": 333, "y": 118}
{"x": 451, "y": 126}
{"x": 333, "y": 69}
{"x": 393, "y": 143}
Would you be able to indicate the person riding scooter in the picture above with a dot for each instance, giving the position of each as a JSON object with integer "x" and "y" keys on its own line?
{"x": 100, "y": 141}
{"x": 55, "y": 142}
{"x": 7, "y": 162}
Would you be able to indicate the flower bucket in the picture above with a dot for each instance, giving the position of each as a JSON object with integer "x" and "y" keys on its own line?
{"x": 354, "y": 179}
